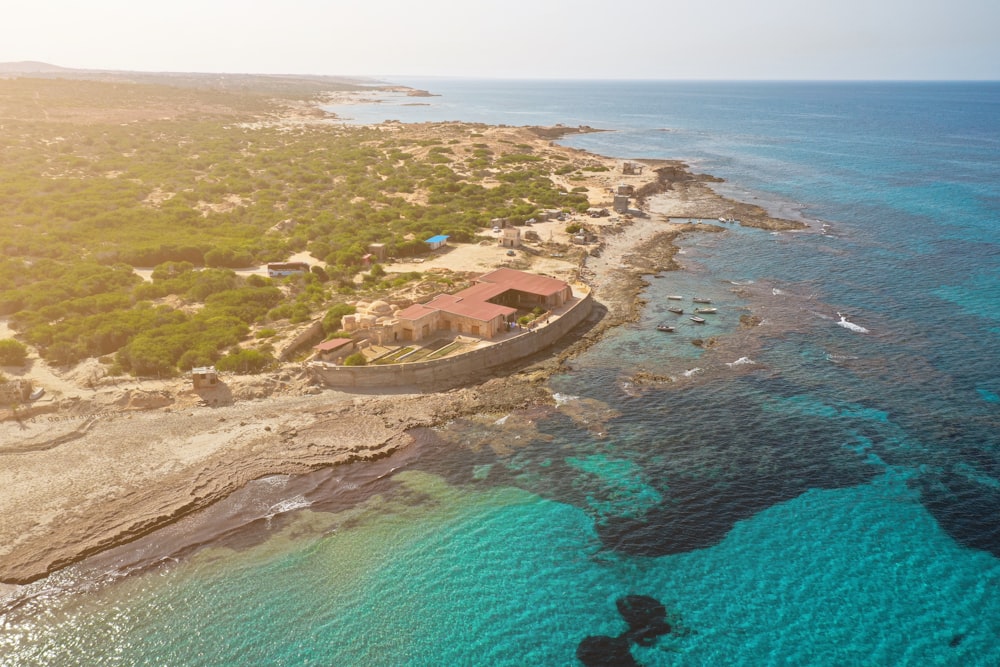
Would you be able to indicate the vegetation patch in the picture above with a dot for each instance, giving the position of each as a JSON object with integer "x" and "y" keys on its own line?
{"x": 199, "y": 194}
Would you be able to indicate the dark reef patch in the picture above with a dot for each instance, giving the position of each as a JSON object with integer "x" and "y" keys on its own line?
{"x": 601, "y": 651}
{"x": 968, "y": 510}
{"x": 646, "y": 618}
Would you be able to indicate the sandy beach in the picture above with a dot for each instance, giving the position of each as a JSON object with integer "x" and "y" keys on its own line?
{"x": 101, "y": 461}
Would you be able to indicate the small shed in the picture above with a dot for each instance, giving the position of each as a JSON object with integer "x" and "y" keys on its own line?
{"x": 436, "y": 242}
{"x": 621, "y": 204}
{"x": 330, "y": 350}
{"x": 511, "y": 238}
{"x": 204, "y": 377}
{"x": 377, "y": 249}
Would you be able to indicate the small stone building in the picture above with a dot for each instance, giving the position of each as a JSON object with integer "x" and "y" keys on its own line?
{"x": 631, "y": 169}
{"x": 204, "y": 377}
{"x": 14, "y": 392}
{"x": 510, "y": 238}
{"x": 378, "y": 250}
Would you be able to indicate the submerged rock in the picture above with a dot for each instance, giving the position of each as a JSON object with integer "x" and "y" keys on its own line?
{"x": 601, "y": 651}
{"x": 646, "y": 618}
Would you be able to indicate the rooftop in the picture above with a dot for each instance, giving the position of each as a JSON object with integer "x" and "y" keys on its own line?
{"x": 333, "y": 344}
{"x": 523, "y": 282}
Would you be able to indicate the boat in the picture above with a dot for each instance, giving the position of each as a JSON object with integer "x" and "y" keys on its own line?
{"x": 665, "y": 327}
{"x": 675, "y": 297}
{"x": 701, "y": 299}
{"x": 706, "y": 310}
{"x": 675, "y": 309}
{"x": 697, "y": 320}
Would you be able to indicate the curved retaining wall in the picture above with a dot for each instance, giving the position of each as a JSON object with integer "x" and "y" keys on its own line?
{"x": 453, "y": 370}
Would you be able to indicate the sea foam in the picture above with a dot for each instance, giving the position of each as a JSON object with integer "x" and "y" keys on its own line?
{"x": 850, "y": 325}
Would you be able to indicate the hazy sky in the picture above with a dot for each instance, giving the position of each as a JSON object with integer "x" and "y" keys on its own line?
{"x": 660, "y": 39}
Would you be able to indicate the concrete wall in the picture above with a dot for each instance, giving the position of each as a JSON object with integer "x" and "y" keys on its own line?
{"x": 460, "y": 368}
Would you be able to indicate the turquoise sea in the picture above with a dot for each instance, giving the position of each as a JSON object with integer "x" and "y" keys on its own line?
{"x": 822, "y": 490}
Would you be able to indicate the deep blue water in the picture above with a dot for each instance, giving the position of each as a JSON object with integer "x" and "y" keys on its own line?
{"x": 803, "y": 493}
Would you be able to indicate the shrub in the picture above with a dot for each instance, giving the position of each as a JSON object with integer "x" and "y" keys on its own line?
{"x": 12, "y": 352}
{"x": 332, "y": 319}
{"x": 356, "y": 359}
{"x": 245, "y": 361}
{"x": 320, "y": 273}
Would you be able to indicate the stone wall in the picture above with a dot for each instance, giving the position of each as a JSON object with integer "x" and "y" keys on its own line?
{"x": 311, "y": 334}
{"x": 461, "y": 367}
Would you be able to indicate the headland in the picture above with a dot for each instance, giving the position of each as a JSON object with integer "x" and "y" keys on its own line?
{"x": 102, "y": 458}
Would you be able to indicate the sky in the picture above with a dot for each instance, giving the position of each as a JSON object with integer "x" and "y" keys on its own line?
{"x": 549, "y": 39}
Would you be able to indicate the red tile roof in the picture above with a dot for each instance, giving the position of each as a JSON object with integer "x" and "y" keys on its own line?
{"x": 473, "y": 308}
{"x": 414, "y": 312}
{"x": 332, "y": 344}
{"x": 473, "y": 302}
{"x": 524, "y": 282}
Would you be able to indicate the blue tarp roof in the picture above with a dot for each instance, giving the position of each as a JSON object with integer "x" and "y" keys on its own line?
{"x": 440, "y": 238}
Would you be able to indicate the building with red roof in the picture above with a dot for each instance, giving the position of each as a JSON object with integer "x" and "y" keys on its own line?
{"x": 485, "y": 308}
{"x": 334, "y": 348}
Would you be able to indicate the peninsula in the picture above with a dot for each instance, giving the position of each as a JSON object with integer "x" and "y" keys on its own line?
{"x": 140, "y": 215}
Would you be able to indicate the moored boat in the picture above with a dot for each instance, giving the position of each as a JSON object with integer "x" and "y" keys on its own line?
{"x": 710, "y": 311}
{"x": 697, "y": 320}
{"x": 665, "y": 327}
{"x": 701, "y": 299}
{"x": 675, "y": 297}
{"x": 675, "y": 309}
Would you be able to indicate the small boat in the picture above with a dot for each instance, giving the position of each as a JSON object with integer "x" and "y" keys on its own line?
{"x": 697, "y": 320}
{"x": 701, "y": 299}
{"x": 706, "y": 310}
{"x": 675, "y": 309}
{"x": 665, "y": 327}
{"x": 675, "y": 297}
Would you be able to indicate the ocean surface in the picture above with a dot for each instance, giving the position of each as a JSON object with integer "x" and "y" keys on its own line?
{"x": 822, "y": 490}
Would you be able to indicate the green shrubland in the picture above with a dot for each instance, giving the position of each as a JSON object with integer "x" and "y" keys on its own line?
{"x": 195, "y": 195}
